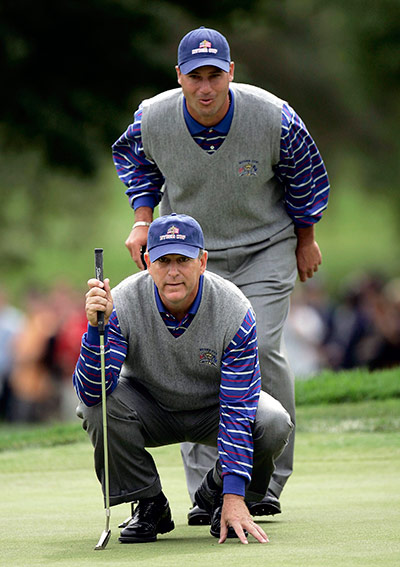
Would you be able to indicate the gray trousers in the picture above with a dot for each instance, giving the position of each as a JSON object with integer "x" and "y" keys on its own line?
{"x": 136, "y": 421}
{"x": 266, "y": 273}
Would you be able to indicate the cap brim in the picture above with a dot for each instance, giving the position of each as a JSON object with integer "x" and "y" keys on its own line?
{"x": 186, "y": 68}
{"x": 181, "y": 249}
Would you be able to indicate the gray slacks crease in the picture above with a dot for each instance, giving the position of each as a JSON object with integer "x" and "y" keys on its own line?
{"x": 266, "y": 273}
{"x": 136, "y": 421}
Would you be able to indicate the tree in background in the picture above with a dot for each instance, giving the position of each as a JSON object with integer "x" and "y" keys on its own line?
{"x": 70, "y": 69}
{"x": 73, "y": 72}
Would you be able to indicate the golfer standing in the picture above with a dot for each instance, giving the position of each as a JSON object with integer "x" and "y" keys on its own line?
{"x": 242, "y": 162}
{"x": 182, "y": 365}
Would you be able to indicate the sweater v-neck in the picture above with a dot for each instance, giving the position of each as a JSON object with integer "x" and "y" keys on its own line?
{"x": 189, "y": 132}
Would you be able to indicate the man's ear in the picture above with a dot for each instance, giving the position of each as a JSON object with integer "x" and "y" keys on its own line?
{"x": 203, "y": 261}
{"x": 231, "y": 71}
{"x": 178, "y": 74}
{"x": 146, "y": 257}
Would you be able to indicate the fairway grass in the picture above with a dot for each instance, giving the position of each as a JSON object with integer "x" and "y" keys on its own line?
{"x": 340, "y": 508}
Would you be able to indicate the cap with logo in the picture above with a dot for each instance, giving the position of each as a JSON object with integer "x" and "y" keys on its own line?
{"x": 174, "y": 234}
{"x": 203, "y": 46}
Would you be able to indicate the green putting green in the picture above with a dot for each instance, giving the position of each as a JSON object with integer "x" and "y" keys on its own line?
{"x": 340, "y": 508}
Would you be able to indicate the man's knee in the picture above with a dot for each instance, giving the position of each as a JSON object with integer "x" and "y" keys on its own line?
{"x": 273, "y": 425}
{"x": 92, "y": 417}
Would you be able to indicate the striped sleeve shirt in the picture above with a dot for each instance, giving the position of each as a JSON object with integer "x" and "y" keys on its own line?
{"x": 300, "y": 169}
{"x": 239, "y": 389}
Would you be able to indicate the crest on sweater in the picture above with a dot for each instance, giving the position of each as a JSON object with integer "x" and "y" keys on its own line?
{"x": 247, "y": 168}
{"x": 208, "y": 356}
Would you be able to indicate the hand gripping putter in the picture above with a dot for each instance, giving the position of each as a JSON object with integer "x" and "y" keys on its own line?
{"x": 105, "y": 536}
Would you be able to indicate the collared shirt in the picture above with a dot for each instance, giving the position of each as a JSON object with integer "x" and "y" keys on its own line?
{"x": 239, "y": 387}
{"x": 300, "y": 169}
{"x": 210, "y": 138}
{"x": 176, "y": 327}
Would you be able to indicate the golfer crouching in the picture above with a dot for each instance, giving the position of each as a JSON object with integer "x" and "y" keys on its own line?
{"x": 181, "y": 365}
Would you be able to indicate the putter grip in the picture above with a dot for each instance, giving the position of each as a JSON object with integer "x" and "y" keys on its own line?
{"x": 98, "y": 266}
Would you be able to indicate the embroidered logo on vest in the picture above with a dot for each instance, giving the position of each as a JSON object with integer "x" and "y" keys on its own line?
{"x": 208, "y": 356}
{"x": 247, "y": 168}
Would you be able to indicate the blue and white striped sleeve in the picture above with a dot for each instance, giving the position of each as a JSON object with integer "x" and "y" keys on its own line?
{"x": 87, "y": 375}
{"x": 140, "y": 174}
{"x": 301, "y": 171}
{"x": 239, "y": 395}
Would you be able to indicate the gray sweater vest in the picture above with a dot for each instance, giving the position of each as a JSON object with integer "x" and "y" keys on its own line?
{"x": 233, "y": 193}
{"x": 180, "y": 373}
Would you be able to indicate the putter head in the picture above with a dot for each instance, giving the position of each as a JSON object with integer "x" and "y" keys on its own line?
{"x": 104, "y": 539}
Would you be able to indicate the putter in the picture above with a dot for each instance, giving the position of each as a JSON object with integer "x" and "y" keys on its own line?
{"x": 105, "y": 536}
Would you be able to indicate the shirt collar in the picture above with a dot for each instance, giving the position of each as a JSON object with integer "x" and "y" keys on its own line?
{"x": 222, "y": 127}
{"x": 193, "y": 308}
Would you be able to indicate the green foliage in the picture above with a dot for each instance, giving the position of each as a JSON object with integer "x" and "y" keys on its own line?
{"x": 44, "y": 215}
{"x": 52, "y": 237}
{"x": 76, "y": 72}
{"x": 338, "y": 64}
{"x": 19, "y": 436}
{"x": 73, "y": 74}
{"x": 367, "y": 401}
{"x": 74, "y": 66}
{"x": 352, "y": 386}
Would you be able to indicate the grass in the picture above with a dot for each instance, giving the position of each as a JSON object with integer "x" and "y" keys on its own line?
{"x": 351, "y": 386}
{"x": 323, "y": 396}
{"x": 341, "y": 506}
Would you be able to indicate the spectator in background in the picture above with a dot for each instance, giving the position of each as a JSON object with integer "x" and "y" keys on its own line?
{"x": 351, "y": 324}
{"x": 46, "y": 346}
{"x": 33, "y": 395}
{"x": 71, "y": 326}
{"x": 365, "y": 325}
{"x": 361, "y": 328}
{"x": 11, "y": 322}
{"x": 305, "y": 330}
{"x": 383, "y": 350}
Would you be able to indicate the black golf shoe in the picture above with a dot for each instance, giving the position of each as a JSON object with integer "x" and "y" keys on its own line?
{"x": 209, "y": 497}
{"x": 151, "y": 517}
{"x": 268, "y": 506}
{"x": 215, "y": 528}
{"x": 198, "y": 517}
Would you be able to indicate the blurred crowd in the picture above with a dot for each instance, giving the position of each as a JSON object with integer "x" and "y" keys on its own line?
{"x": 39, "y": 347}
{"x": 360, "y": 328}
{"x": 39, "y": 343}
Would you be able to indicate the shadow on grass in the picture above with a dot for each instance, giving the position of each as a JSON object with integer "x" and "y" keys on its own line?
{"x": 183, "y": 546}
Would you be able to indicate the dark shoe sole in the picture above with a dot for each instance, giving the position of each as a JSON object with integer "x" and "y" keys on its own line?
{"x": 162, "y": 528}
{"x": 265, "y": 509}
{"x": 200, "y": 519}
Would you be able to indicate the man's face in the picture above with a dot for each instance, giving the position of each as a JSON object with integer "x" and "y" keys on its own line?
{"x": 206, "y": 92}
{"x": 177, "y": 280}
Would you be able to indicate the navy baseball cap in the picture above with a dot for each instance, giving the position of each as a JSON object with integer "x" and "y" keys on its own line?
{"x": 201, "y": 47}
{"x": 174, "y": 234}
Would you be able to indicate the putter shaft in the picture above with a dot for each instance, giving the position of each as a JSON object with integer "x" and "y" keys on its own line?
{"x": 105, "y": 536}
